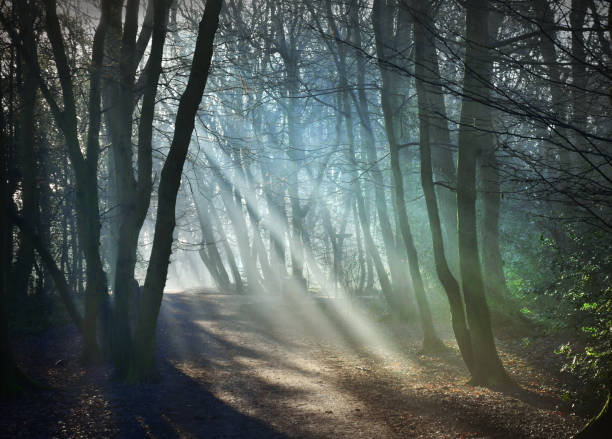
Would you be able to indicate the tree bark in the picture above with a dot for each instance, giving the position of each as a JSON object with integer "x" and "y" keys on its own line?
{"x": 579, "y": 93}
{"x": 26, "y": 155}
{"x": 548, "y": 48}
{"x": 490, "y": 190}
{"x": 442, "y": 156}
{"x": 12, "y": 379}
{"x": 488, "y": 369}
{"x": 209, "y": 253}
{"x": 382, "y": 21}
{"x": 397, "y": 306}
{"x": 277, "y": 223}
{"x": 229, "y": 254}
{"x": 494, "y": 277}
{"x": 58, "y": 277}
{"x": 424, "y": 59}
{"x": 400, "y": 304}
{"x": 133, "y": 195}
{"x": 600, "y": 425}
{"x": 233, "y": 204}
{"x": 85, "y": 167}
{"x": 143, "y": 358}
{"x": 361, "y": 280}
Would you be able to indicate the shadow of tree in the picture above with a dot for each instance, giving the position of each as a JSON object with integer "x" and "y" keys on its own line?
{"x": 228, "y": 372}
{"x": 179, "y": 406}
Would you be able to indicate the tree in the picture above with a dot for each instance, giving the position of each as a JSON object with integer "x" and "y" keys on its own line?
{"x": 133, "y": 194}
{"x": 427, "y": 86}
{"x": 487, "y": 367}
{"x": 25, "y": 150}
{"x": 85, "y": 166}
{"x": 143, "y": 359}
{"x": 12, "y": 378}
{"x": 382, "y": 15}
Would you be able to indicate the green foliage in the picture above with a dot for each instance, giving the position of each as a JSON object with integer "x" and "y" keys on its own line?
{"x": 530, "y": 269}
{"x": 584, "y": 286}
{"x": 565, "y": 284}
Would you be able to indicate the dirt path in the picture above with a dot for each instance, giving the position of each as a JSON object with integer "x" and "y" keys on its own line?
{"x": 238, "y": 367}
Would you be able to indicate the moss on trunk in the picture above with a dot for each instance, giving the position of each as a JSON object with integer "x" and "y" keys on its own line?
{"x": 600, "y": 426}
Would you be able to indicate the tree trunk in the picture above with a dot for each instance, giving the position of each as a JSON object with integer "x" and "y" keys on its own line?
{"x": 494, "y": 278}
{"x": 85, "y": 167}
{"x": 233, "y": 204}
{"x": 601, "y": 425}
{"x": 363, "y": 213}
{"x": 133, "y": 195}
{"x": 400, "y": 304}
{"x": 277, "y": 224}
{"x": 548, "y": 48}
{"x": 259, "y": 248}
{"x": 58, "y": 277}
{"x": 424, "y": 58}
{"x": 382, "y": 21}
{"x": 143, "y": 358}
{"x": 398, "y": 307}
{"x": 297, "y": 216}
{"x": 26, "y": 155}
{"x": 579, "y": 72}
{"x": 229, "y": 254}
{"x": 209, "y": 253}
{"x": 443, "y": 163}
{"x": 490, "y": 192}
{"x": 361, "y": 280}
{"x": 12, "y": 379}
{"x": 488, "y": 369}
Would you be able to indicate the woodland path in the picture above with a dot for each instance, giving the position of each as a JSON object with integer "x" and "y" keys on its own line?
{"x": 238, "y": 367}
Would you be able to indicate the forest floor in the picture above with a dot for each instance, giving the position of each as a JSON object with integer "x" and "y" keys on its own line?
{"x": 238, "y": 367}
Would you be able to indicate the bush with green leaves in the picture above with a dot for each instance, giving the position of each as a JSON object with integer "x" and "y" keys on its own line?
{"x": 585, "y": 289}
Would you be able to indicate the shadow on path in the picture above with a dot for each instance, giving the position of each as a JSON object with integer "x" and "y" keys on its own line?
{"x": 179, "y": 406}
{"x": 252, "y": 367}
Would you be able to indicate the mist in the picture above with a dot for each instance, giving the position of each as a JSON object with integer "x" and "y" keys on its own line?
{"x": 322, "y": 218}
